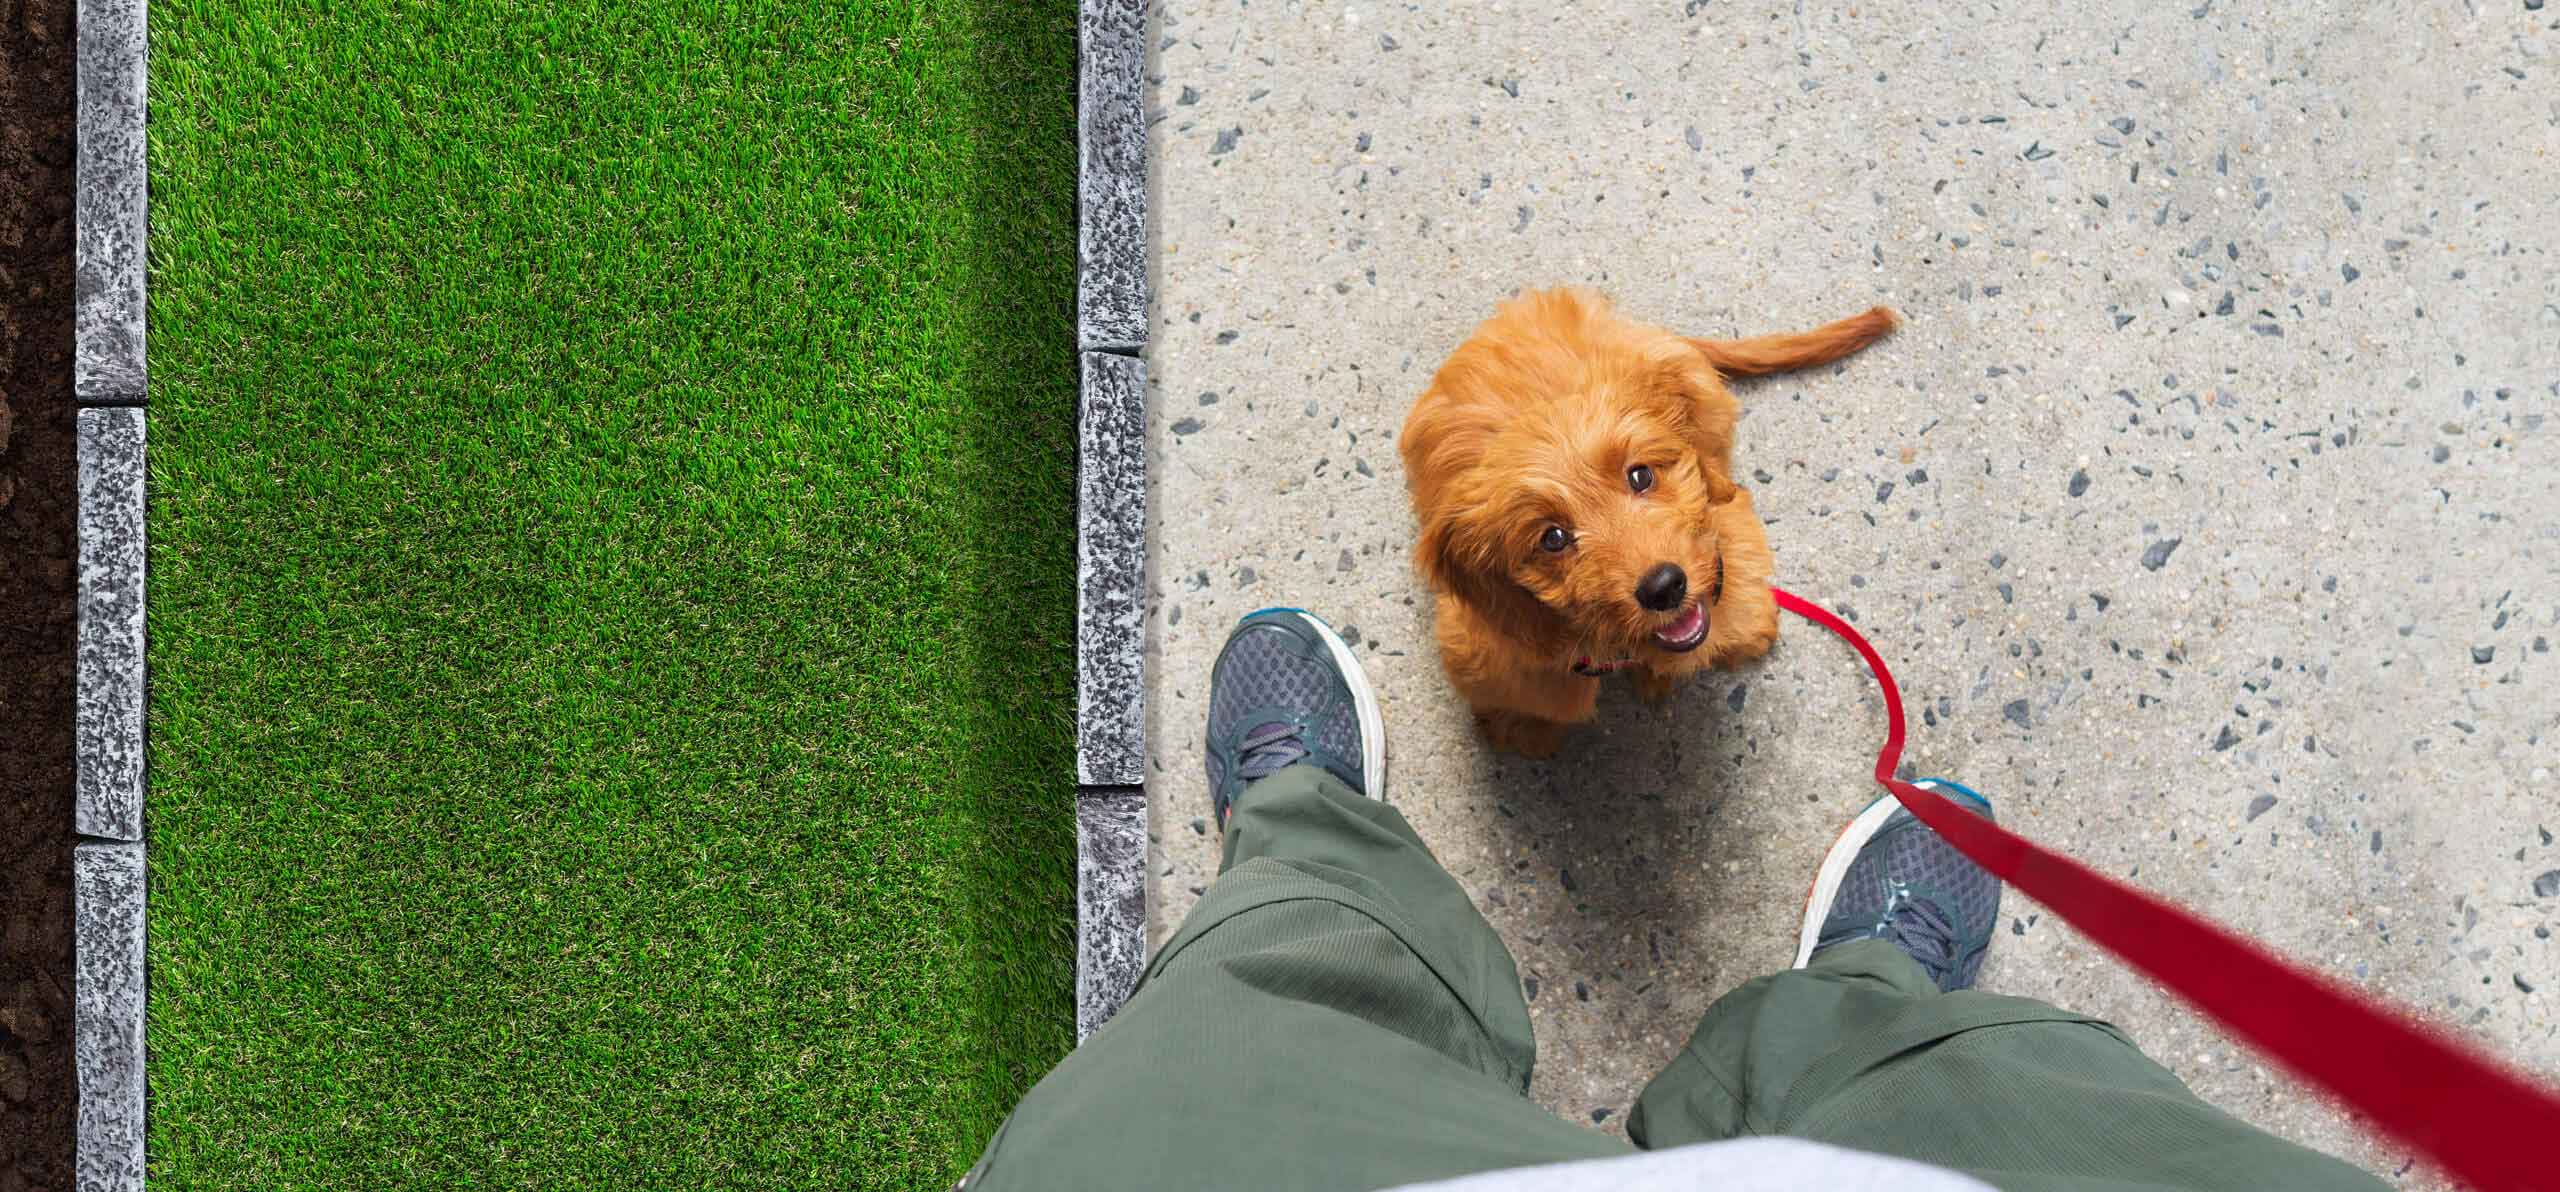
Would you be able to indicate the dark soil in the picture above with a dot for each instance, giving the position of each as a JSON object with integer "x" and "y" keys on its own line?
{"x": 37, "y": 508}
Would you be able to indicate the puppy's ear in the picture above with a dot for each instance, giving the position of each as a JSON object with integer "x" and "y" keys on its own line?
{"x": 1720, "y": 487}
{"x": 1679, "y": 388}
{"x": 1452, "y": 560}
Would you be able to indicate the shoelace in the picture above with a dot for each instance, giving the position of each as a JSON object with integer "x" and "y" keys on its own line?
{"x": 1269, "y": 749}
{"x": 1922, "y": 929}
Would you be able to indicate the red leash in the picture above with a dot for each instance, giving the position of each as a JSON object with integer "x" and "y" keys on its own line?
{"x": 2488, "y": 1126}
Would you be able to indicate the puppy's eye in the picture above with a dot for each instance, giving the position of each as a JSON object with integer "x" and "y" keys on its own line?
{"x": 1555, "y": 539}
{"x": 1639, "y": 478}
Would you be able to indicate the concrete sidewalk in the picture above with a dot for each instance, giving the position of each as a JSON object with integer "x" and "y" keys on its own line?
{"x": 2207, "y": 505}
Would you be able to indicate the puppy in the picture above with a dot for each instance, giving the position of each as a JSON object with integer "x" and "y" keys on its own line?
{"x": 1572, "y": 473}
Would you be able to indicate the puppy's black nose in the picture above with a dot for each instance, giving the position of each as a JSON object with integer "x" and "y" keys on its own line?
{"x": 1663, "y": 588}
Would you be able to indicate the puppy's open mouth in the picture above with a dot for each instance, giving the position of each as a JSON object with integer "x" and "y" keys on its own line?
{"x": 1686, "y": 633}
{"x": 1689, "y": 631}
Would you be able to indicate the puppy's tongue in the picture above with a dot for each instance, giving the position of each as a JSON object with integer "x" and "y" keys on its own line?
{"x": 1683, "y": 629}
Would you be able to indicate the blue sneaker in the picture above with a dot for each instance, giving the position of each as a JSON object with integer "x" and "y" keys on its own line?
{"x": 1286, "y": 689}
{"x": 1889, "y": 877}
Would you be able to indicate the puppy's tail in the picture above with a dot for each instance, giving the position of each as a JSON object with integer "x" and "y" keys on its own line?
{"x": 1804, "y": 349}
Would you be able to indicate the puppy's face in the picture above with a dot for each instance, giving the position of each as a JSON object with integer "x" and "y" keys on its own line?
{"x": 1588, "y": 521}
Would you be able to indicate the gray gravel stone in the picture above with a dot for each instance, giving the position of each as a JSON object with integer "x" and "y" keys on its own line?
{"x": 1111, "y": 147}
{"x": 110, "y": 202}
{"x": 1111, "y": 568}
{"x": 107, "y": 1004}
{"x": 1111, "y": 901}
{"x": 107, "y": 713}
{"x": 2157, "y": 556}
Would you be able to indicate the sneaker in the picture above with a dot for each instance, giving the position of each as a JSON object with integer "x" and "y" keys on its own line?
{"x": 1286, "y": 689}
{"x": 1890, "y": 878}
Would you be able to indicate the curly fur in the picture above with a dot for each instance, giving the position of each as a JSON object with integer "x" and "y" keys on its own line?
{"x": 1535, "y": 422}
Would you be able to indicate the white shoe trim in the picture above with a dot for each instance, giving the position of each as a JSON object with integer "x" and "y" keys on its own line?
{"x": 1364, "y": 701}
{"x": 1835, "y": 869}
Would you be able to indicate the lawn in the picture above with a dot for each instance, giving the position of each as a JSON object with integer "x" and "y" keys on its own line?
{"x": 612, "y": 611}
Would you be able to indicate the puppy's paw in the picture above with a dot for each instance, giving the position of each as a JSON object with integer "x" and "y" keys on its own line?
{"x": 1759, "y": 633}
{"x": 1528, "y": 736}
{"x": 1760, "y": 642}
{"x": 1654, "y": 688}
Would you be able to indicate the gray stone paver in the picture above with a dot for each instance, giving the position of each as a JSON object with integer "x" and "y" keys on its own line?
{"x": 1111, "y": 563}
{"x": 1111, "y": 901}
{"x": 109, "y": 202}
{"x": 107, "y": 1045}
{"x": 1111, "y": 148}
{"x": 108, "y": 678}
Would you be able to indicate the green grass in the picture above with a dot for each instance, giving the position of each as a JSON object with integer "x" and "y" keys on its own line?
{"x": 611, "y": 624}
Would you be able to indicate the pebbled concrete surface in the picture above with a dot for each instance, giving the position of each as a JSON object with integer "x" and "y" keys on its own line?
{"x": 2209, "y": 505}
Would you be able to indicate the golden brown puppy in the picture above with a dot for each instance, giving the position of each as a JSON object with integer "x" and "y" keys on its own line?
{"x": 1571, "y": 469}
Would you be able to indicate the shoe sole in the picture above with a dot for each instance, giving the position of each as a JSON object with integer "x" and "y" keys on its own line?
{"x": 1844, "y": 853}
{"x": 1364, "y": 699}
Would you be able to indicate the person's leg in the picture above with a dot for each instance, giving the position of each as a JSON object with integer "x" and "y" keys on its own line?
{"x": 1333, "y": 1014}
{"x": 1876, "y": 1043}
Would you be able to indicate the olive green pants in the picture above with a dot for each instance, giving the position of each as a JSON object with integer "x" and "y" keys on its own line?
{"x": 1335, "y": 1014}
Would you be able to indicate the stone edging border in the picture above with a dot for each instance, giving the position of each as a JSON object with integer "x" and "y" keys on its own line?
{"x": 108, "y": 875}
{"x": 1111, "y": 505}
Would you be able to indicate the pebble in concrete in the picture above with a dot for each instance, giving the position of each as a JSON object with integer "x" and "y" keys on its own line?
{"x": 110, "y": 201}
{"x": 1111, "y": 901}
{"x": 1111, "y": 566}
{"x": 1111, "y": 143}
{"x": 107, "y": 716}
{"x": 107, "y": 919}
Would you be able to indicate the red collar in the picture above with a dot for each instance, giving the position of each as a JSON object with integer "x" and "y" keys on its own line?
{"x": 1585, "y": 667}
